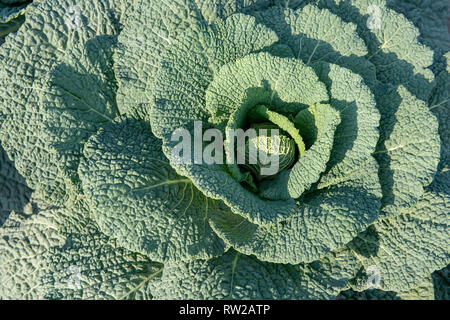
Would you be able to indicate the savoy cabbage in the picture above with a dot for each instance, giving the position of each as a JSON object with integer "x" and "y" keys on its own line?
{"x": 94, "y": 204}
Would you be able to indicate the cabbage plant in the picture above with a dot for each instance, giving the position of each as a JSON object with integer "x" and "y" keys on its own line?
{"x": 93, "y": 92}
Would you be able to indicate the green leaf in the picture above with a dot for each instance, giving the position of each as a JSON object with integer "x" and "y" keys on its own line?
{"x": 90, "y": 265}
{"x": 138, "y": 199}
{"x": 23, "y": 241}
{"x": 283, "y": 84}
{"x": 129, "y": 201}
{"x": 424, "y": 291}
{"x": 187, "y": 68}
{"x": 324, "y": 220}
{"x": 313, "y": 163}
{"x": 14, "y": 193}
{"x": 316, "y": 35}
{"x": 23, "y": 76}
{"x": 60, "y": 254}
{"x": 141, "y": 44}
{"x": 152, "y": 27}
{"x": 408, "y": 247}
{"x": 237, "y": 276}
{"x": 430, "y": 16}
{"x": 10, "y": 12}
{"x": 256, "y": 79}
{"x": 408, "y": 150}
{"x": 393, "y": 44}
{"x": 440, "y": 106}
{"x": 441, "y": 282}
{"x": 79, "y": 98}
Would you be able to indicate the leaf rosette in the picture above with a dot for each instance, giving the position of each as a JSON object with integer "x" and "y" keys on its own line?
{"x": 359, "y": 145}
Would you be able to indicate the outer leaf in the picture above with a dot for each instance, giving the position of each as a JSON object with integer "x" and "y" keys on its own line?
{"x": 408, "y": 151}
{"x": 60, "y": 254}
{"x": 23, "y": 241}
{"x": 79, "y": 98}
{"x": 188, "y": 66}
{"x": 151, "y": 28}
{"x": 236, "y": 276}
{"x": 316, "y": 35}
{"x": 137, "y": 198}
{"x": 393, "y": 45}
{"x": 14, "y": 193}
{"x": 26, "y": 59}
{"x": 408, "y": 247}
{"x": 424, "y": 291}
{"x": 327, "y": 219}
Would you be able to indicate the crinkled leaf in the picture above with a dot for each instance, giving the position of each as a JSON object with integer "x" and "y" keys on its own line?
{"x": 325, "y": 220}
{"x": 324, "y": 120}
{"x": 408, "y": 150}
{"x": 408, "y": 247}
{"x": 79, "y": 98}
{"x": 357, "y": 134}
{"x": 237, "y": 276}
{"x": 136, "y": 197}
{"x": 91, "y": 265}
{"x": 430, "y": 16}
{"x": 188, "y": 66}
{"x": 281, "y": 84}
{"x": 26, "y": 58}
